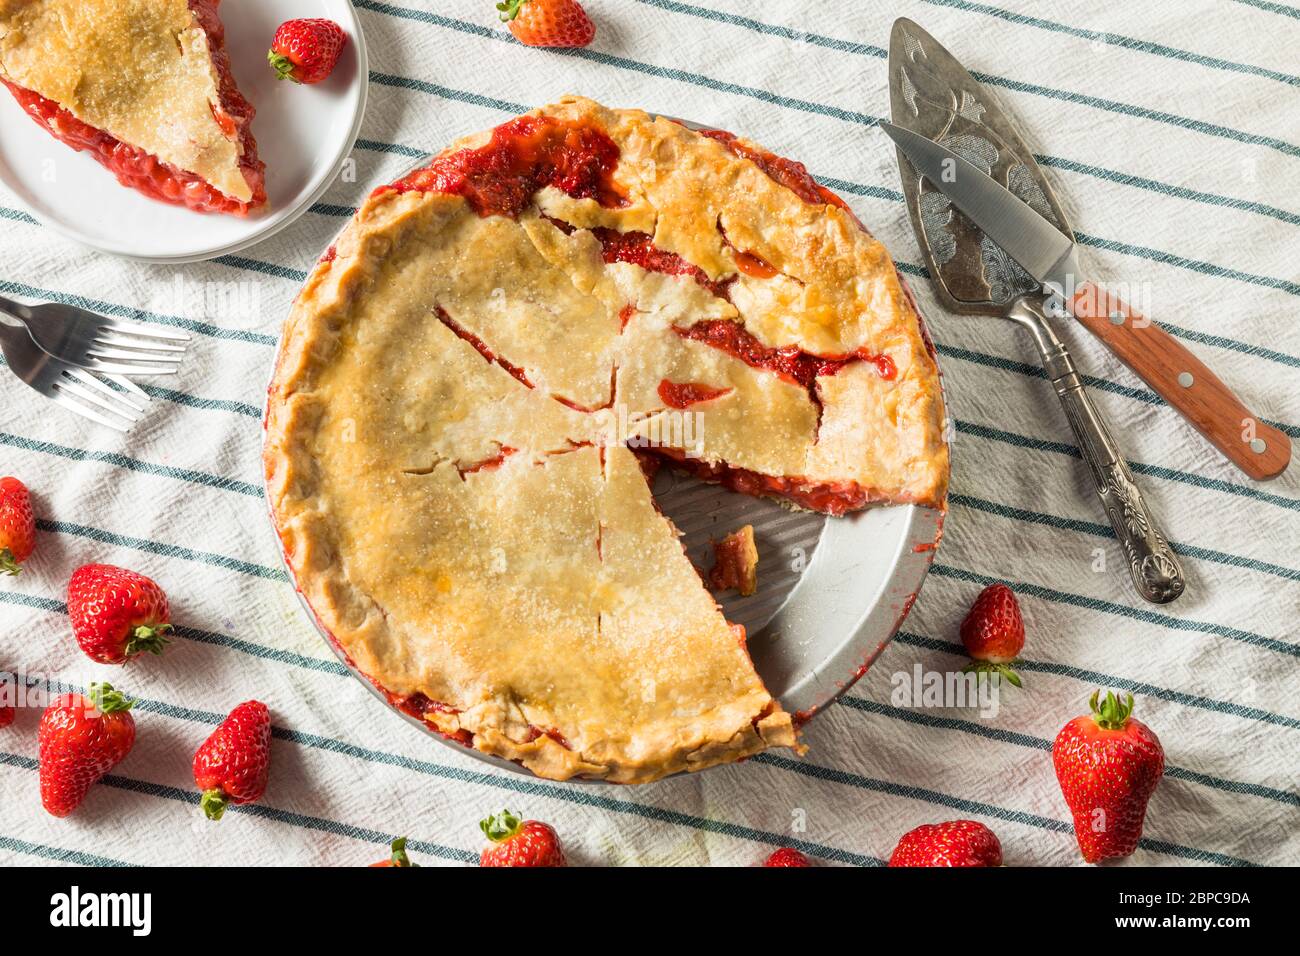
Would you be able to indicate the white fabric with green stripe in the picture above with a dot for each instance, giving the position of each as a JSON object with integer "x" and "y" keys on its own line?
{"x": 1169, "y": 130}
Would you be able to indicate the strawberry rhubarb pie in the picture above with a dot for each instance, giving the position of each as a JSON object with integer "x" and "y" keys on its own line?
{"x": 144, "y": 87}
{"x": 457, "y": 431}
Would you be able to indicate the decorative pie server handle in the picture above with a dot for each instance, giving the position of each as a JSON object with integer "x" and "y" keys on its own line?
{"x": 1152, "y": 564}
{"x": 1180, "y": 378}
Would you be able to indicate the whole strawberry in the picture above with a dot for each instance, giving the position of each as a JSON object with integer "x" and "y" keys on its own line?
{"x": 399, "y": 857}
{"x": 1108, "y": 765}
{"x": 548, "y": 22}
{"x": 17, "y": 525}
{"x": 994, "y": 633}
{"x": 82, "y": 737}
{"x": 305, "y": 51}
{"x": 955, "y": 843}
{"x": 117, "y": 614}
{"x": 787, "y": 856}
{"x": 231, "y": 765}
{"x": 516, "y": 842}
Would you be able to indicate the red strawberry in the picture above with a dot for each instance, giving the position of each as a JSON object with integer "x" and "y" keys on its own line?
{"x": 994, "y": 633}
{"x": 305, "y": 51}
{"x": 955, "y": 843}
{"x": 17, "y": 525}
{"x": 548, "y": 22}
{"x": 399, "y": 857}
{"x": 518, "y": 842}
{"x": 117, "y": 614}
{"x": 231, "y": 765}
{"x": 1108, "y": 765}
{"x": 787, "y": 856}
{"x": 82, "y": 737}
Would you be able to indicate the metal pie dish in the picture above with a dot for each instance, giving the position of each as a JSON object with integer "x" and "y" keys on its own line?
{"x": 832, "y": 592}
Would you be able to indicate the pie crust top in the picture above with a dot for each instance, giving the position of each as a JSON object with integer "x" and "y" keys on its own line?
{"x": 140, "y": 70}
{"x": 471, "y": 377}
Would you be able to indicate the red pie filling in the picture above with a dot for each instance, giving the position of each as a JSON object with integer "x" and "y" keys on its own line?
{"x": 735, "y": 563}
{"x": 638, "y": 248}
{"x": 790, "y": 174}
{"x": 501, "y": 177}
{"x": 789, "y": 361}
{"x": 753, "y": 266}
{"x": 419, "y": 706}
{"x": 686, "y": 394}
{"x": 147, "y": 173}
{"x": 828, "y": 497}
{"x": 487, "y": 464}
{"x": 480, "y": 346}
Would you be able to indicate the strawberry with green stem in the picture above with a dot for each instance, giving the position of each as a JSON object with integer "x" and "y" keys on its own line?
{"x": 17, "y": 525}
{"x": 117, "y": 614}
{"x": 232, "y": 765}
{"x": 993, "y": 633}
{"x": 1108, "y": 764}
{"x": 556, "y": 23}
{"x": 306, "y": 50}
{"x": 516, "y": 842}
{"x": 81, "y": 738}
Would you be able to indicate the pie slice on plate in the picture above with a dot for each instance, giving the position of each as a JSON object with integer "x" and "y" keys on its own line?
{"x": 474, "y": 376}
{"x": 145, "y": 87}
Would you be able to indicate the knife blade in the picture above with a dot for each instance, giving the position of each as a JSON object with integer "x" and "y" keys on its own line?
{"x": 1040, "y": 248}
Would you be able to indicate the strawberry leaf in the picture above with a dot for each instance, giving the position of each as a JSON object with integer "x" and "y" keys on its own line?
{"x": 501, "y": 826}
{"x": 282, "y": 65}
{"x": 148, "y": 637}
{"x": 213, "y": 802}
{"x": 107, "y": 700}
{"x": 399, "y": 857}
{"x": 510, "y": 9}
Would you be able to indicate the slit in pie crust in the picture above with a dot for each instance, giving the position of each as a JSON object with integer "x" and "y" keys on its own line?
{"x": 466, "y": 391}
{"x": 144, "y": 87}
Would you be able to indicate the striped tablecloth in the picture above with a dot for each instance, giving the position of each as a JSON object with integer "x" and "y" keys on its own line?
{"x": 1170, "y": 129}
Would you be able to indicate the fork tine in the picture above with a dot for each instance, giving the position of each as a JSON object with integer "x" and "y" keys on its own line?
{"x": 126, "y": 368}
{"x": 90, "y": 380}
{"x": 80, "y": 409}
{"x": 127, "y": 385}
{"x": 86, "y": 395}
{"x": 111, "y": 353}
{"x": 132, "y": 341}
{"x": 140, "y": 328}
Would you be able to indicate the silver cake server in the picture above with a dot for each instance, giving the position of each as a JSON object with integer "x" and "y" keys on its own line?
{"x": 964, "y": 167}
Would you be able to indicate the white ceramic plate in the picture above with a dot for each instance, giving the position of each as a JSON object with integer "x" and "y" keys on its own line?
{"x": 304, "y": 134}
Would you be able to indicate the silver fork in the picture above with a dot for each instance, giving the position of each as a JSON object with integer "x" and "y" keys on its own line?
{"x": 97, "y": 343}
{"x": 73, "y": 388}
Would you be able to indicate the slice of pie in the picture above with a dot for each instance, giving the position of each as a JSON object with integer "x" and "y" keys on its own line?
{"x": 143, "y": 86}
{"x": 475, "y": 376}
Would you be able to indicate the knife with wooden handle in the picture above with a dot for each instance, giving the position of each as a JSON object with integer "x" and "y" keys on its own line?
{"x": 1186, "y": 383}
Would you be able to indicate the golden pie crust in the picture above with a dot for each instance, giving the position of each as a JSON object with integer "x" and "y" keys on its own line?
{"x": 141, "y": 70}
{"x": 447, "y": 429}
